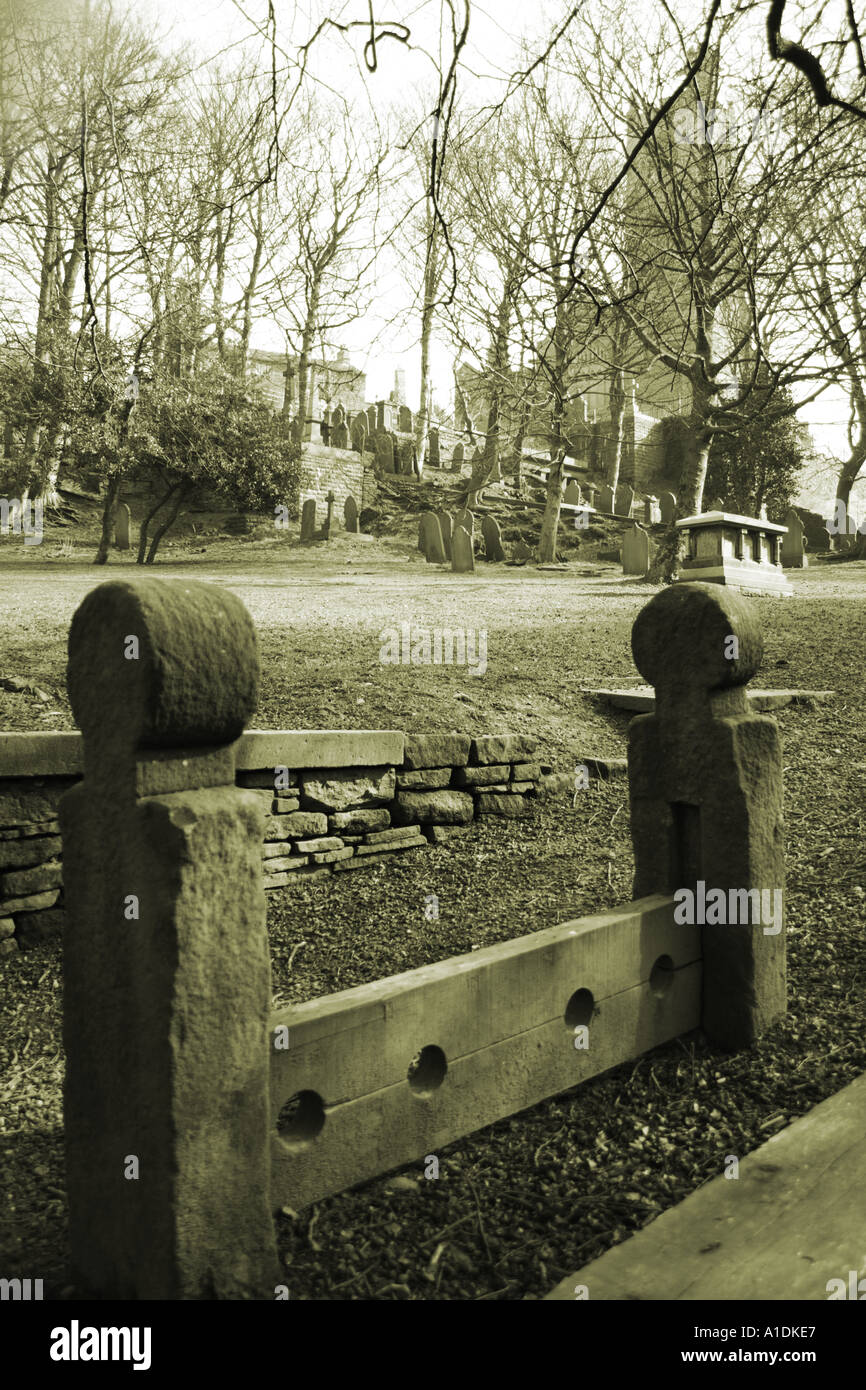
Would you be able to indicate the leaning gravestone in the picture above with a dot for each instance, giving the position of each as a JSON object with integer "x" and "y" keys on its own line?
{"x": 462, "y": 555}
{"x": 308, "y": 519}
{"x": 636, "y": 551}
{"x": 457, "y": 458}
{"x": 573, "y": 495}
{"x": 794, "y": 543}
{"x": 624, "y": 499}
{"x": 121, "y": 527}
{"x": 350, "y": 514}
{"x": 430, "y": 540}
{"x": 433, "y": 456}
{"x": 185, "y": 857}
{"x": 466, "y": 519}
{"x": 667, "y": 507}
{"x": 445, "y": 526}
{"x": 492, "y": 538}
{"x": 604, "y": 499}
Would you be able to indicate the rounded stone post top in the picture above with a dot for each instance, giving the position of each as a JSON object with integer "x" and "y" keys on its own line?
{"x": 162, "y": 663}
{"x": 682, "y": 639}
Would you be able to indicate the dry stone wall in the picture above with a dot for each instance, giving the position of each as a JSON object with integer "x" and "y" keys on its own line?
{"x": 334, "y": 801}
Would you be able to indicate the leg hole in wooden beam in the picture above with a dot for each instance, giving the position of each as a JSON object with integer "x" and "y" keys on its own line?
{"x": 662, "y": 976}
{"x": 301, "y": 1119}
{"x": 579, "y": 1008}
{"x": 427, "y": 1071}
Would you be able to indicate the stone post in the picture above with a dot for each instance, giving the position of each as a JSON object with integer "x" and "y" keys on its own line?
{"x": 166, "y": 971}
{"x": 705, "y": 777}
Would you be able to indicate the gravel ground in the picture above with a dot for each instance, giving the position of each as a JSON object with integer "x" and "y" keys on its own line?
{"x": 533, "y": 1198}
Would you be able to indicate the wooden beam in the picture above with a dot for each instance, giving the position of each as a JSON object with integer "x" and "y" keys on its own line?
{"x": 497, "y": 1020}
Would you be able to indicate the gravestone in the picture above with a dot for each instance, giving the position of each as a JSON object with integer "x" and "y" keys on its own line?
{"x": 573, "y": 495}
{"x": 794, "y": 543}
{"x": 308, "y": 519}
{"x": 466, "y": 519}
{"x": 433, "y": 455}
{"x": 121, "y": 526}
{"x": 604, "y": 499}
{"x": 381, "y": 424}
{"x": 368, "y": 518}
{"x": 667, "y": 507}
{"x": 324, "y": 426}
{"x": 372, "y": 421}
{"x": 636, "y": 551}
{"x": 462, "y": 554}
{"x": 651, "y": 511}
{"x": 457, "y": 458}
{"x": 339, "y": 436}
{"x": 404, "y": 419}
{"x": 407, "y": 457}
{"x": 430, "y": 539}
{"x": 186, "y": 857}
{"x": 445, "y": 526}
{"x": 591, "y": 493}
{"x": 350, "y": 514}
{"x": 492, "y": 538}
{"x": 624, "y": 499}
{"x": 359, "y": 433}
{"x": 326, "y": 529}
{"x": 384, "y": 451}
{"x": 848, "y": 538}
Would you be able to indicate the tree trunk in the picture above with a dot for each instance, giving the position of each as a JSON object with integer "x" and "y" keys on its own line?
{"x": 498, "y": 369}
{"x": 304, "y": 402}
{"x": 142, "y": 535}
{"x": 667, "y": 564}
{"x": 108, "y": 512}
{"x": 168, "y": 523}
{"x": 616, "y": 398}
{"x": 550, "y": 520}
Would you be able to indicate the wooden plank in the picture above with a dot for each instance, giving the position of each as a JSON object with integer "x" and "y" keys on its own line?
{"x": 497, "y": 1020}
{"x": 369, "y": 1135}
{"x": 793, "y": 1220}
{"x": 362, "y": 1040}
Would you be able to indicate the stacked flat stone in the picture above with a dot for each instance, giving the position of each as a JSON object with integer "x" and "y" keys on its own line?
{"x": 31, "y": 872}
{"x": 317, "y": 821}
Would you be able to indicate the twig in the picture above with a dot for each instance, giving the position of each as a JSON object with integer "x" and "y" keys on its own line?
{"x": 294, "y": 951}
{"x": 313, "y": 1219}
{"x": 481, "y": 1230}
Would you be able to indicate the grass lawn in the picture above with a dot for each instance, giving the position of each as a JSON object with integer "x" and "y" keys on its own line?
{"x": 521, "y": 1205}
